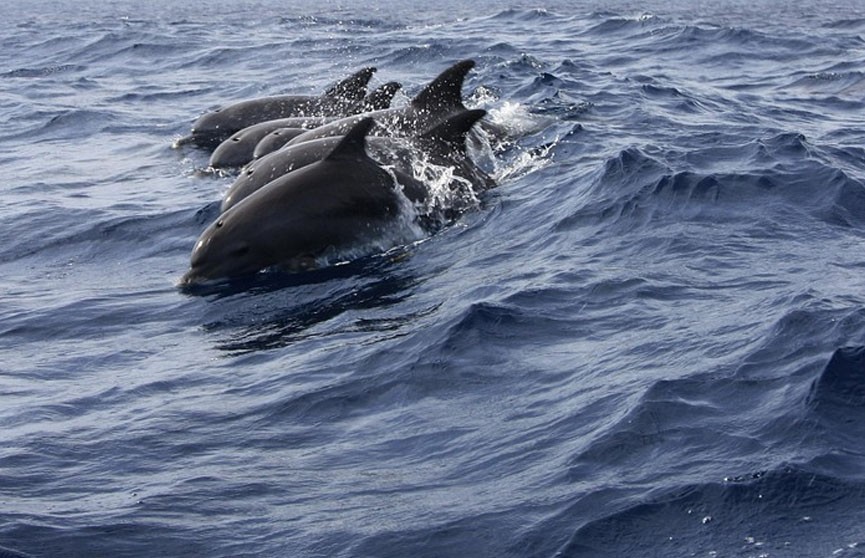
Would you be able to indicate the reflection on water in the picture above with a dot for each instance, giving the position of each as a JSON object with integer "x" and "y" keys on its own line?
{"x": 274, "y": 309}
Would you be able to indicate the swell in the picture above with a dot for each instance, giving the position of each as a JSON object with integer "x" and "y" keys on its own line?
{"x": 68, "y": 125}
{"x": 780, "y": 176}
{"x": 756, "y": 460}
{"x": 768, "y": 511}
{"x": 96, "y": 234}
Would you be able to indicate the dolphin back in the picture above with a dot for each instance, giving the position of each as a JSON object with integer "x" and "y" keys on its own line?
{"x": 444, "y": 93}
{"x": 451, "y": 133}
{"x": 352, "y": 88}
{"x": 353, "y": 145}
{"x": 381, "y": 97}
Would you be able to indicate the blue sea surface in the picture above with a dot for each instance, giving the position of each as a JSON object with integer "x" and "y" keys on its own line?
{"x": 648, "y": 340}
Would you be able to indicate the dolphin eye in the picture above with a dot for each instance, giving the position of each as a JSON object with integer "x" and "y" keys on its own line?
{"x": 240, "y": 250}
{"x": 219, "y": 223}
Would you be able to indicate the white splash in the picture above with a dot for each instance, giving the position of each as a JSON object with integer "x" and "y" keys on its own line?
{"x": 517, "y": 120}
{"x": 526, "y": 162}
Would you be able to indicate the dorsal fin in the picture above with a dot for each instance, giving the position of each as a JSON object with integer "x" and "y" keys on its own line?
{"x": 453, "y": 130}
{"x": 352, "y": 88}
{"x": 381, "y": 97}
{"x": 444, "y": 93}
{"x": 353, "y": 144}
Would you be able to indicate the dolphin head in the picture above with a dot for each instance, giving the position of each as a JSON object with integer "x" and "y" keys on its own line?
{"x": 223, "y": 250}
{"x": 207, "y": 132}
{"x": 253, "y": 235}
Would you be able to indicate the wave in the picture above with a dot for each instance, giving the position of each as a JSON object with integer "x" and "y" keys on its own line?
{"x": 766, "y": 512}
{"x": 700, "y": 419}
{"x": 532, "y": 15}
{"x": 847, "y": 23}
{"x": 95, "y": 235}
{"x": 430, "y": 50}
{"x": 713, "y": 45}
{"x": 66, "y": 124}
{"x": 615, "y": 24}
{"x": 786, "y": 175}
{"x": 841, "y": 386}
{"x": 350, "y": 23}
{"x": 44, "y": 71}
{"x": 647, "y": 340}
{"x": 833, "y": 82}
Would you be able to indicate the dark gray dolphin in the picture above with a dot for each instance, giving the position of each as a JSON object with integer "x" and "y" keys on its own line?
{"x": 275, "y": 140}
{"x": 308, "y": 153}
{"x": 342, "y": 99}
{"x": 336, "y": 203}
{"x": 239, "y": 149}
{"x": 443, "y": 145}
{"x": 381, "y": 97}
{"x": 438, "y": 100}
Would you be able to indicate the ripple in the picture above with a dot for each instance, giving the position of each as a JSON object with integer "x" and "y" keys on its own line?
{"x": 763, "y": 513}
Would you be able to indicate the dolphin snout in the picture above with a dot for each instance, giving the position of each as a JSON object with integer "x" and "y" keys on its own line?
{"x": 185, "y": 140}
{"x": 191, "y": 277}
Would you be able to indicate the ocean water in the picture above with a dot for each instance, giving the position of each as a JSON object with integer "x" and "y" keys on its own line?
{"x": 646, "y": 341}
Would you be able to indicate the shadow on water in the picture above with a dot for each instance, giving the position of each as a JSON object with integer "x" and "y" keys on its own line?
{"x": 274, "y": 309}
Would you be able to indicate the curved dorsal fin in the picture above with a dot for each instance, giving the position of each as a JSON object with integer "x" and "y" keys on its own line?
{"x": 453, "y": 130}
{"x": 381, "y": 97}
{"x": 352, "y": 88}
{"x": 353, "y": 144}
{"x": 444, "y": 93}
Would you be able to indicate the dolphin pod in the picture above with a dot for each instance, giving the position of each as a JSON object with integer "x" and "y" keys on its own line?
{"x": 443, "y": 145}
{"x": 438, "y": 100}
{"x": 239, "y": 148}
{"x": 334, "y": 186}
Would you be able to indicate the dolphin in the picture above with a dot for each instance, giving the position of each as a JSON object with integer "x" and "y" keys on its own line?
{"x": 342, "y": 99}
{"x": 336, "y": 203}
{"x": 444, "y": 145}
{"x": 381, "y": 97}
{"x": 275, "y": 141}
{"x": 438, "y": 100}
{"x": 239, "y": 149}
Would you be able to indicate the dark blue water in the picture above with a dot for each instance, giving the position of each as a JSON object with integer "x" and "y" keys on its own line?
{"x": 647, "y": 341}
